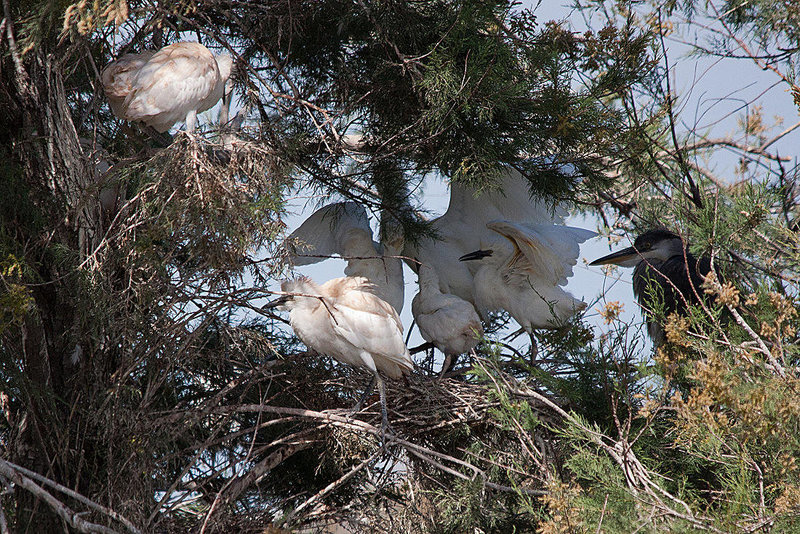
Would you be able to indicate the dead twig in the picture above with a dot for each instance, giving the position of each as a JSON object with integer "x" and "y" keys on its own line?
{"x": 14, "y": 473}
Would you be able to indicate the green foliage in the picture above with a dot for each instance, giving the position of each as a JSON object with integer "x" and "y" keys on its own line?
{"x": 15, "y": 298}
{"x": 138, "y": 367}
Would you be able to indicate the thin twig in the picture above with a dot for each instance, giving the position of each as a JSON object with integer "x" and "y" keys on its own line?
{"x": 71, "y": 517}
{"x": 70, "y": 493}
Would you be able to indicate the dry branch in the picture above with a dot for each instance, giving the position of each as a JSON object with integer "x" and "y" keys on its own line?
{"x": 72, "y": 518}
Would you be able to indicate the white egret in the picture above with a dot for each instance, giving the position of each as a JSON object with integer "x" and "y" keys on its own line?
{"x": 523, "y": 273}
{"x": 343, "y": 228}
{"x": 447, "y": 321}
{"x": 462, "y": 229}
{"x": 666, "y": 276}
{"x": 525, "y": 279}
{"x": 165, "y": 87}
{"x": 344, "y": 319}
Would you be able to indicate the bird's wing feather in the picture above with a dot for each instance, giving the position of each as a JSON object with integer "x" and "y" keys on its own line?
{"x": 565, "y": 242}
{"x": 512, "y": 201}
{"x": 323, "y": 234}
{"x": 547, "y": 251}
{"x": 175, "y": 80}
{"x": 359, "y": 293}
{"x": 372, "y": 325}
{"x": 118, "y": 75}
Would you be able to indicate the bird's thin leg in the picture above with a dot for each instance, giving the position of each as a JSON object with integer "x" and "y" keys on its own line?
{"x": 191, "y": 120}
{"x": 384, "y": 412}
{"x": 448, "y": 363}
{"x": 534, "y": 351}
{"x": 367, "y": 393}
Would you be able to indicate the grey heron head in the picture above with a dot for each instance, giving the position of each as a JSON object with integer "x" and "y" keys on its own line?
{"x": 657, "y": 244}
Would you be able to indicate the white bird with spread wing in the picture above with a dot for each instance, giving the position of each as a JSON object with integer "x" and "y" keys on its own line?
{"x": 342, "y": 228}
{"x": 525, "y": 279}
{"x": 462, "y": 229}
{"x": 168, "y": 86}
{"x": 344, "y": 319}
{"x": 521, "y": 274}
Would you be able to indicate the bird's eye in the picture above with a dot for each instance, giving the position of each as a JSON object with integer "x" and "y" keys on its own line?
{"x": 646, "y": 245}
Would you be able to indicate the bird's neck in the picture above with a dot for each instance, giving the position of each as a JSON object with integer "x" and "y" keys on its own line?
{"x": 675, "y": 248}
{"x": 428, "y": 280}
{"x": 302, "y": 304}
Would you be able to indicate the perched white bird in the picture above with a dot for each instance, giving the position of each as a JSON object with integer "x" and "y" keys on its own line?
{"x": 168, "y": 86}
{"x": 525, "y": 279}
{"x": 523, "y": 272}
{"x": 344, "y": 319}
{"x": 462, "y": 229}
{"x": 343, "y": 228}
{"x": 447, "y": 321}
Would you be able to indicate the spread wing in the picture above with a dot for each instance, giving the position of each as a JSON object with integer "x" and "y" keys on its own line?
{"x": 464, "y": 224}
{"x": 326, "y": 231}
{"x": 547, "y": 252}
{"x": 511, "y": 201}
{"x": 463, "y": 228}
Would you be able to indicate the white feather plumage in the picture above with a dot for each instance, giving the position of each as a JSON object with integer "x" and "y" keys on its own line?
{"x": 344, "y": 319}
{"x": 168, "y": 86}
{"x": 342, "y": 228}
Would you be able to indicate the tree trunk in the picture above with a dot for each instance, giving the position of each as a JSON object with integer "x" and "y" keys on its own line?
{"x": 47, "y": 150}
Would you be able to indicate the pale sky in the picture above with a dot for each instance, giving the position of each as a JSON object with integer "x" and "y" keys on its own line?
{"x": 714, "y": 94}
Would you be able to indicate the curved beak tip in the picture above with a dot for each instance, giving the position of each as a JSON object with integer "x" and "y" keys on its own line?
{"x": 477, "y": 255}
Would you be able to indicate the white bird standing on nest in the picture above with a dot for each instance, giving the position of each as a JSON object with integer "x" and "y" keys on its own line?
{"x": 462, "y": 229}
{"x": 344, "y": 319}
{"x": 447, "y": 321}
{"x": 168, "y": 86}
{"x": 343, "y": 228}
{"x": 525, "y": 279}
{"x": 521, "y": 275}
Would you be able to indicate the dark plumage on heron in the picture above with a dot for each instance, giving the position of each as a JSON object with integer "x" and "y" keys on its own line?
{"x": 666, "y": 275}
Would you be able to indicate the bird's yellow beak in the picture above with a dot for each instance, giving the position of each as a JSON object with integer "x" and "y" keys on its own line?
{"x": 618, "y": 258}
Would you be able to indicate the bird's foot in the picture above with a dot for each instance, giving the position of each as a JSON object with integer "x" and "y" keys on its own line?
{"x": 355, "y": 409}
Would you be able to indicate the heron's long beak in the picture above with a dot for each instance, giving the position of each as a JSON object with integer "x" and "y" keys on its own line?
{"x": 477, "y": 255}
{"x": 275, "y": 303}
{"x": 618, "y": 258}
